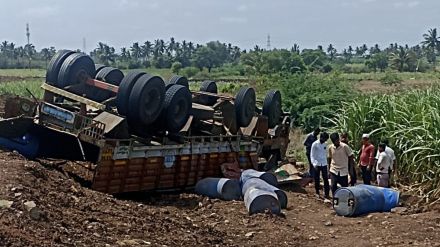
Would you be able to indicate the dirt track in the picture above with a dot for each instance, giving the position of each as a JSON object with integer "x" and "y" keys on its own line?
{"x": 70, "y": 215}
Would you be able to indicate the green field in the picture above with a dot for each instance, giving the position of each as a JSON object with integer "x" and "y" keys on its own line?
{"x": 23, "y": 73}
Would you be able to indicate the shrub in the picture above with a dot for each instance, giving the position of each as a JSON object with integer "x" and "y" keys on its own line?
{"x": 390, "y": 79}
{"x": 176, "y": 67}
{"x": 189, "y": 71}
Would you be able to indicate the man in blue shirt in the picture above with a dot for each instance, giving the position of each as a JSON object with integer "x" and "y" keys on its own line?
{"x": 311, "y": 138}
{"x": 318, "y": 156}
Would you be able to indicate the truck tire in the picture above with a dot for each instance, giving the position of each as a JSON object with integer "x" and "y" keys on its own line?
{"x": 75, "y": 69}
{"x": 209, "y": 87}
{"x": 124, "y": 91}
{"x": 98, "y": 67}
{"x": 272, "y": 107}
{"x": 177, "y": 107}
{"x": 179, "y": 80}
{"x": 110, "y": 75}
{"x": 146, "y": 100}
{"x": 244, "y": 106}
{"x": 55, "y": 65}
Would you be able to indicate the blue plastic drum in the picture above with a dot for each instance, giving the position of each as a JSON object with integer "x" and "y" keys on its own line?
{"x": 391, "y": 197}
{"x": 220, "y": 188}
{"x": 358, "y": 200}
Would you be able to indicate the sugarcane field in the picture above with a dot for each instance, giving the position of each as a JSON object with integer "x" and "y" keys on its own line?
{"x": 219, "y": 123}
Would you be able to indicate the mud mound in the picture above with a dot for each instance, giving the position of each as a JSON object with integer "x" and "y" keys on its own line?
{"x": 44, "y": 206}
{"x": 71, "y": 215}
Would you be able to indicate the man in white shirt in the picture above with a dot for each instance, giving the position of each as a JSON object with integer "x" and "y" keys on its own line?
{"x": 318, "y": 157}
{"x": 390, "y": 152}
{"x": 382, "y": 167}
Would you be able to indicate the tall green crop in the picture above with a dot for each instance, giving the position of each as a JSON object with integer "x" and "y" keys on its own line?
{"x": 410, "y": 121}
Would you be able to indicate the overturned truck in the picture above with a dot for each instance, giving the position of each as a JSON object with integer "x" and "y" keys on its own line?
{"x": 140, "y": 133}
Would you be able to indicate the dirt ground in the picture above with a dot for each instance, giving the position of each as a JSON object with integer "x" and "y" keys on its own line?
{"x": 371, "y": 86}
{"x": 67, "y": 214}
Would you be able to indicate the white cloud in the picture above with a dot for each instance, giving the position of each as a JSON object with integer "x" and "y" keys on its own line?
{"x": 368, "y": 1}
{"x": 44, "y": 11}
{"x": 232, "y": 19}
{"x": 410, "y": 4}
{"x": 242, "y": 8}
{"x": 398, "y": 4}
{"x": 413, "y": 4}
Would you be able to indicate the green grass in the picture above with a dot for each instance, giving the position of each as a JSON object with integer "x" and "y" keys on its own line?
{"x": 379, "y": 75}
{"x": 23, "y": 73}
{"x": 19, "y": 88}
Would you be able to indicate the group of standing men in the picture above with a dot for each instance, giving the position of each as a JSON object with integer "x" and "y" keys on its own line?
{"x": 338, "y": 161}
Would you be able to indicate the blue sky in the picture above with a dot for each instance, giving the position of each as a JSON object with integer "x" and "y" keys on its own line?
{"x": 245, "y": 23}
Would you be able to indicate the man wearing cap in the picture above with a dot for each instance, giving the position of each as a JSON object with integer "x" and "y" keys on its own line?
{"x": 366, "y": 158}
{"x": 340, "y": 158}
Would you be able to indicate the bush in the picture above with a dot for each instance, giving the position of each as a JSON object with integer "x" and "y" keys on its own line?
{"x": 176, "y": 67}
{"x": 134, "y": 65}
{"x": 189, "y": 72}
{"x": 326, "y": 68}
{"x": 390, "y": 79}
{"x": 313, "y": 98}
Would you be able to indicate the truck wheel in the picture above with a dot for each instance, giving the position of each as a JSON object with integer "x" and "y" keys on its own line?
{"x": 179, "y": 80}
{"x": 124, "y": 91}
{"x": 98, "y": 67}
{"x": 272, "y": 107}
{"x": 77, "y": 68}
{"x": 209, "y": 87}
{"x": 110, "y": 75}
{"x": 177, "y": 106}
{"x": 146, "y": 100}
{"x": 244, "y": 106}
{"x": 55, "y": 65}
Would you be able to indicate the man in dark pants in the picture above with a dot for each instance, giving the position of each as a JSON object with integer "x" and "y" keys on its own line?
{"x": 318, "y": 156}
{"x": 310, "y": 139}
{"x": 340, "y": 160}
{"x": 353, "y": 173}
{"x": 366, "y": 158}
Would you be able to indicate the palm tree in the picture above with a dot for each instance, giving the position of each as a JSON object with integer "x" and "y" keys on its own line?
{"x": 136, "y": 50}
{"x": 45, "y": 54}
{"x": 29, "y": 50}
{"x": 401, "y": 57}
{"x": 350, "y": 50}
{"x": 4, "y": 47}
{"x": 147, "y": 49}
{"x": 125, "y": 54}
{"x": 432, "y": 42}
{"x": 331, "y": 52}
{"x": 295, "y": 48}
{"x": 375, "y": 49}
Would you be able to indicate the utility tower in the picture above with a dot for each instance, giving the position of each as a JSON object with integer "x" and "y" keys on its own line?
{"x": 268, "y": 42}
{"x": 84, "y": 45}
{"x": 28, "y": 34}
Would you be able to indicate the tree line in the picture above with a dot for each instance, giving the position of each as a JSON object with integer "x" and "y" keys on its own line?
{"x": 177, "y": 55}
